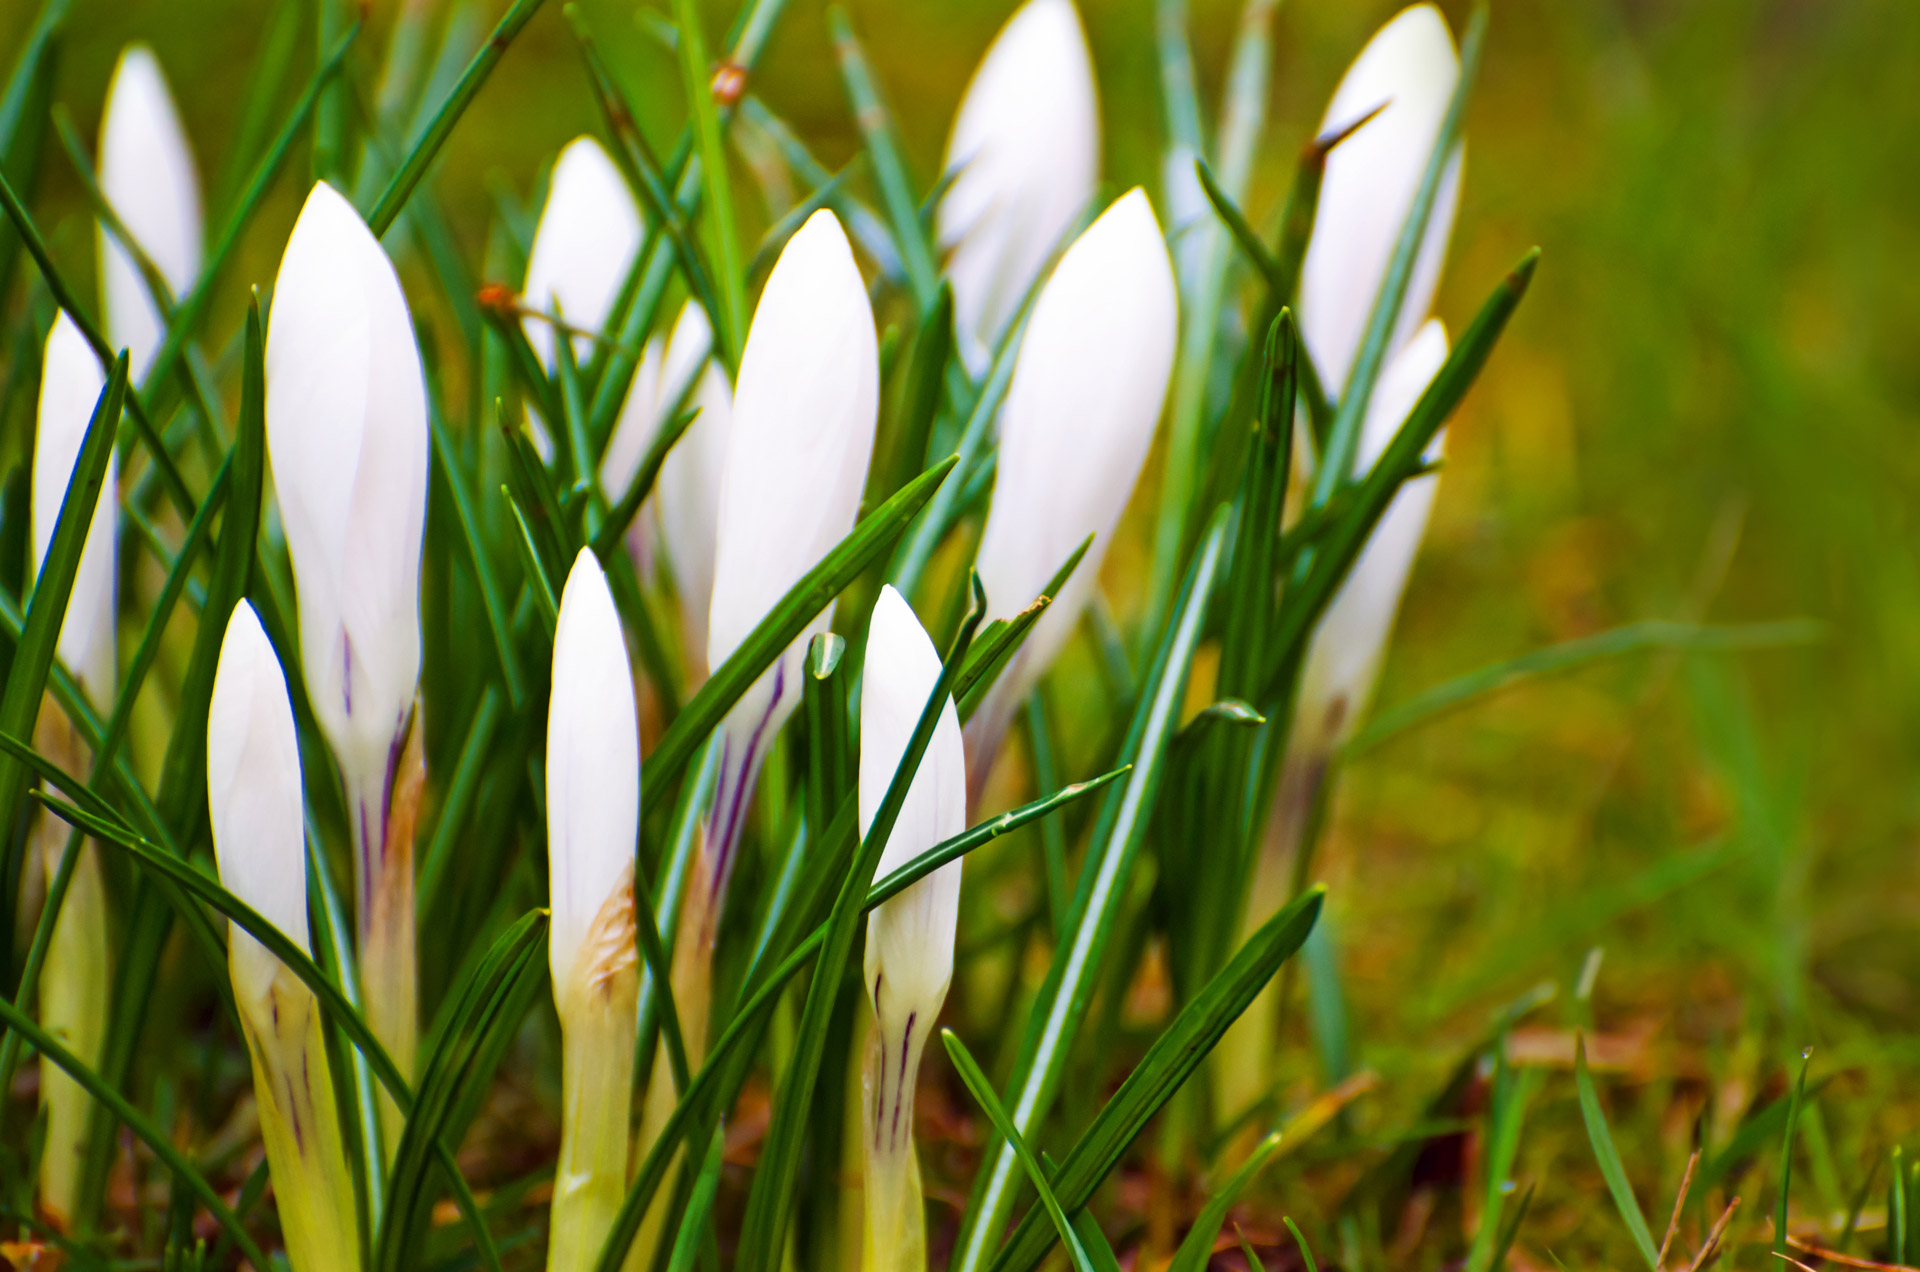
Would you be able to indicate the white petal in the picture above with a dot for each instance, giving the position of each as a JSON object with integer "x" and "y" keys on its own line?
{"x": 582, "y": 249}
{"x": 1026, "y": 150}
{"x": 1369, "y": 186}
{"x": 70, "y": 385}
{"x": 593, "y": 761}
{"x": 1348, "y": 645}
{"x": 1078, "y": 421}
{"x": 147, "y": 174}
{"x": 254, "y": 795}
{"x": 910, "y": 937}
{"x": 803, "y": 421}
{"x": 687, "y": 499}
{"x": 347, "y": 436}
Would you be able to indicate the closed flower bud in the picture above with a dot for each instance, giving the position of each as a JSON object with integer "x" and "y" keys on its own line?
{"x": 1023, "y": 157}
{"x": 1343, "y": 658}
{"x": 803, "y": 422}
{"x": 1410, "y": 67}
{"x": 147, "y": 174}
{"x": 909, "y": 952}
{"x": 1079, "y": 418}
{"x": 593, "y": 771}
{"x": 582, "y": 249}
{"x": 70, "y": 385}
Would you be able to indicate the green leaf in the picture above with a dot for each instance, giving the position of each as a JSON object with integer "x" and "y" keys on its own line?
{"x": 730, "y": 322}
{"x": 480, "y": 1013}
{"x": 434, "y": 135}
{"x": 1483, "y": 682}
{"x": 1168, "y": 1063}
{"x": 1609, "y": 1159}
{"x": 763, "y": 1227}
{"x": 786, "y": 620}
{"x": 468, "y": 519}
{"x": 1786, "y": 1157}
{"x": 23, "y": 117}
{"x": 693, "y": 1219}
{"x": 905, "y": 452}
{"x": 1104, "y": 880}
{"x": 1003, "y": 637}
{"x": 612, "y": 532}
{"x": 533, "y": 569}
{"x": 982, "y": 1091}
{"x": 1196, "y": 1250}
{"x": 157, "y": 1140}
{"x": 871, "y": 117}
{"x": 33, "y": 659}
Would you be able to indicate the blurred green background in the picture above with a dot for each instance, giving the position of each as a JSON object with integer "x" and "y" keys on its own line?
{"x": 1707, "y": 407}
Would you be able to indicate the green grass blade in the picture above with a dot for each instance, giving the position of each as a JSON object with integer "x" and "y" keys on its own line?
{"x": 157, "y": 1140}
{"x": 451, "y": 820}
{"x": 1483, "y": 682}
{"x": 33, "y": 658}
{"x": 1197, "y": 1248}
{"x": 803, "y": 601}
{"x": 982, "y": 1091}
{"x": 730, "y": 321}
{"x": 1344, "y": 440}
{"x": 693, "y": 1219}
{"x": 1786, "y": 1157}
{"x": 871, "y": 117}
{"x": 1609, "y": 1159}
{"x": 1166, "y": 1066}
{"x": 1053, "y": 835}
{"x": 614, "y": 529}
{"x": 24, "y": 109}
{"x": 481, "y": 564}
{"x": 763, "y": 1227}
{"x": 533, "y": 569}
{"x": 414, "y": 167}
{"x": 1118, "y": 833}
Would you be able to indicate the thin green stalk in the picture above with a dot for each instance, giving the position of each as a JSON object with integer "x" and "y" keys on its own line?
{"x": 730, "y": 326}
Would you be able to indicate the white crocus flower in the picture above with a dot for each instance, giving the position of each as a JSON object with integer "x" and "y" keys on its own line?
{"x": 1023, "y": 157}
{"x": 685, "y": 503}
{"x": 147, "y": 174}
{"x": 347, "y": 435}
{"x": 76, "y": 977}
{"x": 1078, "y": 420}
{"x": 255, "y": 804}
{"x": 1411, "y": 67}
{"x": 583, "y": 248}
{"x": 803, "y": 422}
{"x": 909, "y": 951}
{"x": 593, "y": 826}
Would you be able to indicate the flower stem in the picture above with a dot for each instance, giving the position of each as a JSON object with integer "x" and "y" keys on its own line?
{"x": 383, "y": 842}
{"x": 74, "y": 989}
{"x": 895, "y": 1235}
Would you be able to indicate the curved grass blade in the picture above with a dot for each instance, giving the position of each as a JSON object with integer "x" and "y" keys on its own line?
{"x": 34, "y": 656}
{"x": 152, "y": 1136}
{"x": 539, "y": 584}
{"x": 730, "y": 322}
{"x": 874, "y": 121}
{"x": 481, "y": 564}
{"x": 1344, "y": 439}
{"x": 1169, "y": 1062}
{"x": 1117, "y": 836}
{"x": 803, "y": 601}
{"x": 23, "y": 117}
{"x": 480, "y": 1011}
{"x": 434, "y": 135}
{"x": 621, "y": 515}
{"x": 1197, "y": 1247}
{"x": 693, "y": 1219}
{"x": 1608, "y": 1158}
{"x": 1469, "y": 688}
{"x": 1003, "y": 637}
{"x": 982, "y": 1091}
{"x": 1786, "y": 1157}
{"x": 763, "y": 1228}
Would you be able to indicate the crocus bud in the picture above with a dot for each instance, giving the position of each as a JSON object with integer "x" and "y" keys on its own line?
{"x": 255, "y": 804}
{"x": 70, "y": 385}
{"x": 909, "y": 953}
{"x": 347, "y": 436}
{"x": 685, "y": 506}
{"x": 1078, "y": 420}
{"x": 803, "y": 421}
{"x": 593, "y": 827}
{"x": 593, "y": 772}
{"x": 1343, "y": 658}
{"x": 582, "y": 249}
{"x": 1369, "y": 186}
{"x": 1023, "y": 157}
{"x": 147, "y": 174}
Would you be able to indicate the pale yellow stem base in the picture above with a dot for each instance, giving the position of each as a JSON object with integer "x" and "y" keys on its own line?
{"x": 389, "y": 979}
{"x": 895, "y": 1234}
{"x": 597, "y": 1009}
{"x": 74, "y": 991}
{"x": 300, "y": 1123}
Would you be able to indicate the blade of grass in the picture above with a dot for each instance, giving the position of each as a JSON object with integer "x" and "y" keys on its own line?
{"x": 434, "y": 135}
{"x": 693, "y": 1219}
{"x": 1608, "y": 1158}
{"x": 1197, "y": 1248}
{"x": 23, "y": 117}
{"x": 480, "y": 563}
{"x": 730, "y": 320}
{"x": 539, "y": 585}
{"x": 803, "y": 601}
{"x": 1166, "y": 1066}
{"x": 982, "y": 1091}
{"x": 1104, "y": 880}
{"x": 1786, "y": 1157}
